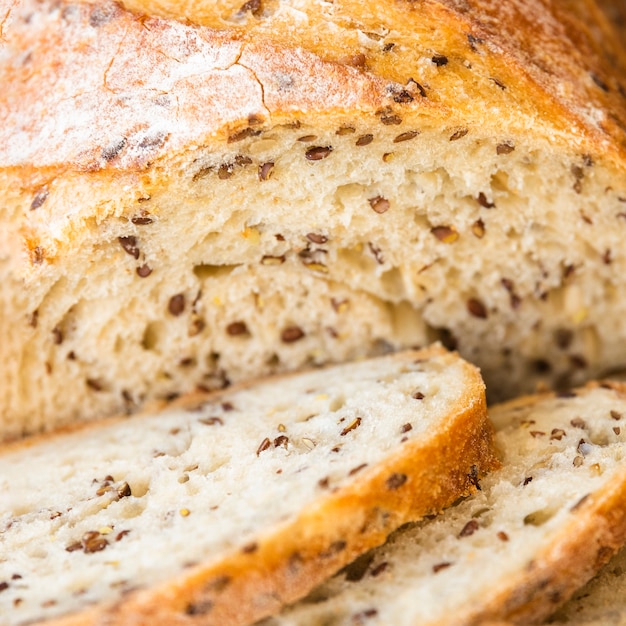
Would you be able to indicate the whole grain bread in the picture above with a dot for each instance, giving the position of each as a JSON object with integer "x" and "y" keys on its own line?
{"x": 219, "y": 508}
{"x": 537, "y": 530}
{"x": 194, "y": 193}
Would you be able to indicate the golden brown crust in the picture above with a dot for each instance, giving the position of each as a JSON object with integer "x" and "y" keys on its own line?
{"x": 150, "y": 88}
{"x": 250, "y": 584}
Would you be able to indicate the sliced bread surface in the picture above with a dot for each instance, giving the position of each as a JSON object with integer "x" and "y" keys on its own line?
{"x": 538, "y": 529}
{"x": 220, "y": 508}
{"x": 255, "y": 187}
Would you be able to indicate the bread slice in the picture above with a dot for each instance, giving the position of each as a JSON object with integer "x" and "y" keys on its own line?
{"x": 201, "y": 192}
{"x": 602, "y": 602}
{"x": 222, "y": 507}
{"x": 538, "y": 529}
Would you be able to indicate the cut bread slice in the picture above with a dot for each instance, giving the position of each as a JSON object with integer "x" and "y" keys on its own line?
{"x": 602, "y": 602}
{"x": 538, "y": 529}
{"x": 260, "y": 186}
{"x": 220, "y": 508}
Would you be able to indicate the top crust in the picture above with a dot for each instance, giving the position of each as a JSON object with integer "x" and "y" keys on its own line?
{"x": 150, "y": 88}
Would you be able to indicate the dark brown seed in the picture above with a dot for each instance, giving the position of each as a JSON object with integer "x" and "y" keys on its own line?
{"x": 355, "y": 423}
{"x": 199, "y": 608}
{"x": 395, "y": 481}
{"x": 439, "y": 60}
{"x": 144, "y": 271}
{"x": 617, "y": 430}
{"x": 281, "y": 440}
{"x": 616, "y": 415}
{"x": 57, "y": 335}
{"x": 458, "y": 134}
{"x": 237, "y": 328}
{"x": 469, "y": 529}
{"x": 482, "y": 200}
{"x": 411, "y": 134}
{"x": 317, "y": 238}
{"x": 211, "y": 421}
{"x": 379, "y": 204}
{"x": 142, "y": 220}
{"x": 527, "y": 480}
{"x": 599, "y": 81}
{"x": 498, "y": 82}
{"x": 250, "y": 548}
{"x": 121, "y": 535}
{"x": 478, "y": 228}
{"x": 123, "y": 491}
{"x": 39, "y": 198}
{"x": 93, "y": 541}
{"x": 318, "y": 153}
{"x": 94, "y": 384}
{"x": 291, "y": 334}
{"x": 439, "y": 566}
{"x": 364, "y": 140}
{"x": 266, "y": 170}
{"x": 33, "y": 319}
{"x": 323, "y": 482}
{"x": 334, "y": 548}
{"x": 176, "y": 305}
{"x": 112, "y": 150}
{"x": 77, "y": 545}
{"x": 445, "y": 234}
{"x": 225, "y": 171}
{"x": 129, "y": 244}
{"x": 4, "y": 585}
{"x": 563, "y": 338}
{"x": 243, "y": 134}
{"x": 358, "y": 618}
{"x": 357, "y": 469}
{"x": 537, "y": 433}
{"x": 476, "y": 308}
{"x": 252, "y": 6}
{"x": 502, "y": 536}
{"x": 418, "y": 395}
{"x": 504, "y": 148}
{"x": 264, "y": 445}
{"x": 379, "y": 569}
{"x": 578, "y": 422}
{"x": 557, "y": 433}
{"x": 405, "y": 428}
{"x": 390, "y": 120}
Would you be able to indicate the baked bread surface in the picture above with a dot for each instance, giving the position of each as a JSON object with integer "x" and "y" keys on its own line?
{"x": 238, "y": 190}
{"x": 220, "y": 508}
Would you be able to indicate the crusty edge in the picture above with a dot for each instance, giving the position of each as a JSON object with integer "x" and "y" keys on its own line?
{"x": 596, "y": 532}
{"x": 251, "y": 583}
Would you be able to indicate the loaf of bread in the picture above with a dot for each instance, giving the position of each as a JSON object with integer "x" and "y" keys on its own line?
{"x": 218, "y": 509}
{"x": 194, "y": 193}
{"x": 538, "y": 529}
